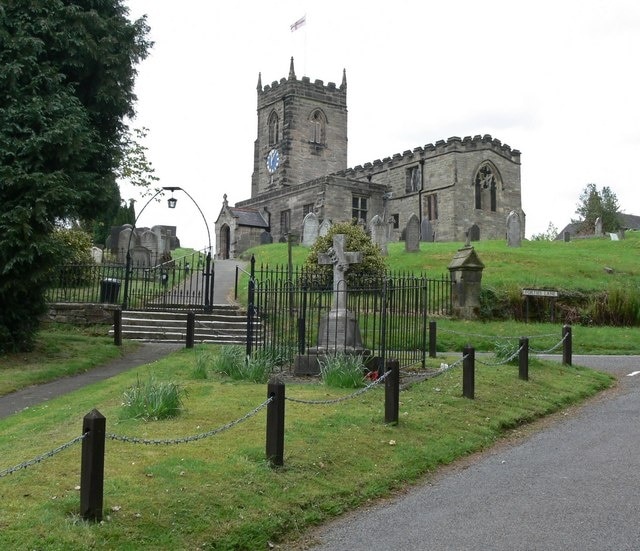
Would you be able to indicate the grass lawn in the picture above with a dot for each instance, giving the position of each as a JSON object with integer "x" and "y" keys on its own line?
{"x": 219, "y": 492}
{"x": 61, "y": 350}
{"x": 584, "y": 264}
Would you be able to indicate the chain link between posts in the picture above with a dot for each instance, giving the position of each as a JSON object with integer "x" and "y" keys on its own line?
{"x": 41, "y": 458}
{"x": 195, "y": 437}
{"x": 343, "y": 398}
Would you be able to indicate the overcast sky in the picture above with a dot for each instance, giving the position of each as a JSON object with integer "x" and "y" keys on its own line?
{"x": 556, "y": 79}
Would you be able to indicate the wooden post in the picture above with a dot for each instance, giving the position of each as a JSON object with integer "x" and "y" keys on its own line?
{"x": 92, "y": 466}
{"x": 191, "y": 329}
{"x": 566, "y": 345}
{"x": 275, "y": 423}
{"x": 117, "y": 327}
{"x": 432, "y": 339}
{"x": 468, "y": 372}
{"x": 392, "y": 392}
{"x": 523, "y": 359}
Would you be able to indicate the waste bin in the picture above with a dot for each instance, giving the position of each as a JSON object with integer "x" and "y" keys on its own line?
{"x": 109, "y": 290}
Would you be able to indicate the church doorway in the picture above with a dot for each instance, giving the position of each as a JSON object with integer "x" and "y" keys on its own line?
{"x": 225, "y": 242}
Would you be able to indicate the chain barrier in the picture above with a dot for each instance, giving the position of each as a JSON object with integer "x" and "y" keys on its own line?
{"x": 343, "y": 398}
{"x": 195, "y": 437}
{"x": 502, "y": 362}
{"x": 411, "y": 379}
{"x": 554, "y": 347}
{"x": 40, "y": 458}
{"x": 543, "y": 335}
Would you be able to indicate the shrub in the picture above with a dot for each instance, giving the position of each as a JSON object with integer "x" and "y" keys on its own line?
{"x": 201, "y": 369}
{"x": 342, "y": 371}
{"x": 504, "y": 349}
{"x": 618, "y": 306}
{"x": 257, "y": 368}
{"x": 152, "y": 400}
{"x": 373, "y": 265}
{"x": 229, "y": 361}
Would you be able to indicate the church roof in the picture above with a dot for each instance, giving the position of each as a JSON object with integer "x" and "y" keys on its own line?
{"x": 249, "y": 217}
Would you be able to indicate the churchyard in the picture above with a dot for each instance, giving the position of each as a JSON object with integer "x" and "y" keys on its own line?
{"x": 202, "y": 479}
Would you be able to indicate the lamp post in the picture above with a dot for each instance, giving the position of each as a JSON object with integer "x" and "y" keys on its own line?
{"x": 171, "y": 203}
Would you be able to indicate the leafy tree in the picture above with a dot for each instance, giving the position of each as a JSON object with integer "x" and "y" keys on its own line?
{"x": 594, "y": 204}
{"x": 373, "y": 264}
{"x": 549, "y": 235}
{"x": 67, "y": 70}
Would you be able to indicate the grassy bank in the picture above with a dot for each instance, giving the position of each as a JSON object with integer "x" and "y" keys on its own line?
{"x": 218, "y": 492}
{"x": 61, "y": 350}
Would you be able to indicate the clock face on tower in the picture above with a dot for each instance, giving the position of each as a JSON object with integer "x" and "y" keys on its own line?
{"x": 273, "y": 161}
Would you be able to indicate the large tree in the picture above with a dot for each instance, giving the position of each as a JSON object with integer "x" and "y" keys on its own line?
{"x": 67, "y": 71}
{"x": 594, "y": 204}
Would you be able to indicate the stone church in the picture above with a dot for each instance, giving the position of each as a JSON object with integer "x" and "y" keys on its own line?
{"x": 457, "y": 187}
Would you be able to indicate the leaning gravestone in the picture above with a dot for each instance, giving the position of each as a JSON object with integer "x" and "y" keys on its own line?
{"x": 310, "y": 229}
{"x": 426, "y": 231}
{"x": 412, "y": 234}
{"x": 514, "y": 232}
{"x": 379, "y": 233}
{"x": 324, "y": 227}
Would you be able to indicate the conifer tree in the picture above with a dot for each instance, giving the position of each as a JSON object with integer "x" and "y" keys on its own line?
{"x": 67, "y": 70}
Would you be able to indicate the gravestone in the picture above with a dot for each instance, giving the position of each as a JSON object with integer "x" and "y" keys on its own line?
{"x": 379, "y": 229}
{"x": 96, "y": 255}
{"x": 339, "y": 331}
{"x": 474, "y": 233}
{"x": 324, "y": 227}
{"x": 150, "y": 240}
{"x": 140, "y": 256}
{"x": 566, "y": 236}
{"x": 412, "y": 234}
{"x": 514, "y": 230}
{"x": 125, "y": 240}
{"x": 426, "y": 231}
{"x": 599, "y": 231}
{"x": 266, "y": 238}
{"x": 310, "y": 229}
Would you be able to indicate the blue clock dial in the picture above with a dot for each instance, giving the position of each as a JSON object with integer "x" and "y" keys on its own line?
{"x": 273, "y": 160}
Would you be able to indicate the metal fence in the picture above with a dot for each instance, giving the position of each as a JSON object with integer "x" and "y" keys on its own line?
{"x": 149, "y": 284}
{"x": 391, "y": 313}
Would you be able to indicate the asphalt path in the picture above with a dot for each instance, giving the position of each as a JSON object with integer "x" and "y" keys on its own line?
{"x": 572, "y": 483}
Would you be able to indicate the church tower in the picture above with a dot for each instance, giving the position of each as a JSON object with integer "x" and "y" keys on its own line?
{"x": 302, "y": 132}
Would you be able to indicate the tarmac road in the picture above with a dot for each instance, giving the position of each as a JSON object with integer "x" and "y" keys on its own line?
{"x": 573, "y": 486}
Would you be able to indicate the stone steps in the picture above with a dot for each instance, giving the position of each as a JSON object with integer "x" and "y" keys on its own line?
{"x": 224, "y": 325}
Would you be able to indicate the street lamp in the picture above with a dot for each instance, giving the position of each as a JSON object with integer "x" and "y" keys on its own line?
{"x": 171, "y": 203}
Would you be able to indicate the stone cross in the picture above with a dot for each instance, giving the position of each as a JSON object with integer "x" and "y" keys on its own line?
{"x": 341, "y": 261}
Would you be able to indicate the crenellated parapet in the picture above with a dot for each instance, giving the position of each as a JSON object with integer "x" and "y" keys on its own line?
{"x": 441, "y": 147}
{"x": 303, "y": 87}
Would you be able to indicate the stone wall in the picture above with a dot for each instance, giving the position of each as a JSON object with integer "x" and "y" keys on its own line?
{"x": 80, "y": 313}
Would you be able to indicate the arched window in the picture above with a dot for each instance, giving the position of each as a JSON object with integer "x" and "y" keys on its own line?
{"x": 318, "y": 127}
{"x": 486, "y": 186}
{"x": 274, "y": 128}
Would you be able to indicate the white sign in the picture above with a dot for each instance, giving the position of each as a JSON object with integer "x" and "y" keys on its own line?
{"x": 540, "y": 293}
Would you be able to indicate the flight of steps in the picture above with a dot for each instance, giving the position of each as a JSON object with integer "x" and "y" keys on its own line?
{"x": 223, "y": 325}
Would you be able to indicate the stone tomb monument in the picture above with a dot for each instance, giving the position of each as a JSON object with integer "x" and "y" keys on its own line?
{"x": 339, "y": 331}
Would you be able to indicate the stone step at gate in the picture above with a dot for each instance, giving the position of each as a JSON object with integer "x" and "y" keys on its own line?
{"x": 224, "y": 325}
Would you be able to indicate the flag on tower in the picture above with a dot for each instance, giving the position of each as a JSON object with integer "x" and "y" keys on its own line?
{"x": 299, "y": 23}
